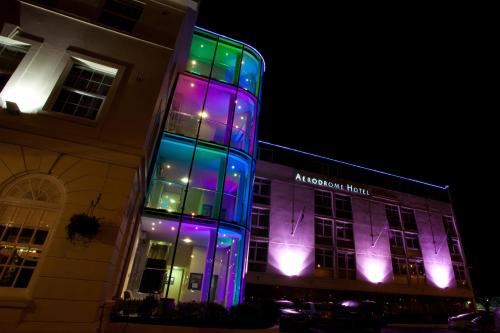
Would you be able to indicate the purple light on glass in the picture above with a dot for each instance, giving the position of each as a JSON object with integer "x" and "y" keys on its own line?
{"x": 374, "y": 269}
{"x": 439, "y": 274}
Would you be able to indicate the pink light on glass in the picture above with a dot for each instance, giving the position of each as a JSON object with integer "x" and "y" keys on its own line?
{"x": 374, "y": 269}
{"x": 439, "y": 274}
{"x": 290, "y": 260}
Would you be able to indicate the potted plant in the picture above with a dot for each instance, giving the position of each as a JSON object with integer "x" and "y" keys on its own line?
{"x": 84, "y": 225}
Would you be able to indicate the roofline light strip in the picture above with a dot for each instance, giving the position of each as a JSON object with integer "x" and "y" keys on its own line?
{"x": 445, "y": 187}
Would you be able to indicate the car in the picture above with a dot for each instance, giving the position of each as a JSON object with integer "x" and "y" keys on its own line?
{"x": 290, "y": 316}
{"x": 460, "y": 321}
{"x": 354, "y": 315}
{"x": 320, "y": 314}
{"x": 484, "y": 323}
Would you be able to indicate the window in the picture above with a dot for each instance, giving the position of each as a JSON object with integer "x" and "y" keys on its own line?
{"x": 396, "y": 239}
{"x": 84, "y": 90}
{"x": 408, "y": 217}
{"x": 28, "y": 210}
{"x": 399, "y": 266}
{"x": 343, "y": 208}
{"x": 121, "y": 14}
{"x": 346, "y": 264}
{"x": 392, "y": 214}
{"x": 417, "y": 269}
{"x": 262, "y": 191}
{"x": 324, "y": 258}
{"x": 257, "y": 257}
{"x": 459, "y": 270}
{"x": 260, "y": 222}
{"x": 454, "y": 248}
{"x": 323, "y": 203}
{"x": 11, "y": 55}
{"x": 344, "y": 231}
{"x": 412, "y": 242}
{"x": 250, "y": 72}
{"x": 449, "y": 227}
{"x": 323, "y": 231}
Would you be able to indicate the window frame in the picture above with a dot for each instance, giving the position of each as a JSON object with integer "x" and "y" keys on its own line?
{"x": 410, "y": 240}
{"x": 318, "y": 208}
{"x": 321, "y": 234}
{"x": 257, "y": 211}
{"x": 71, "y": 59}
{"x": 53, "y": 207}
{"x": 323, "y": 253}
{"x": 345, "y": 200}
{"x": 254, "y": 260}
{"x": 259, "y": 181}
{"x": 349, "y": 272}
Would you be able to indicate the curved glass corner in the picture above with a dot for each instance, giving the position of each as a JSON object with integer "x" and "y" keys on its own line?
{"x": 226, "y": 61}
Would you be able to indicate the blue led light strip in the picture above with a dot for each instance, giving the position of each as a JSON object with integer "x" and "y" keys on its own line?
{"x": 356, "y": 166}
{"x": 237, "y": 41}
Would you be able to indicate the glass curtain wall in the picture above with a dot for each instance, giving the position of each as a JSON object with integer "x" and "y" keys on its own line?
{"x": 194, "y": 232}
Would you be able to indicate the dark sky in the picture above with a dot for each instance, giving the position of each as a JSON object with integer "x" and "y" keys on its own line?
{"x": 407, "y": 90}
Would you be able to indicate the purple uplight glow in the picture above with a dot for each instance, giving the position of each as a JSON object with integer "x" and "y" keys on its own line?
{"x": 290, "y": 260}
{"x": 375, "y": 269}
{"x": 440, "y": 274}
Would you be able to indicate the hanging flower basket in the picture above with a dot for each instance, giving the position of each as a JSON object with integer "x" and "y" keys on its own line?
{"x": 84, "y": 225}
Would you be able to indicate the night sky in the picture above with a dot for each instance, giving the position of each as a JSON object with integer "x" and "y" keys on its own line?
{"x": 407, "y": 90}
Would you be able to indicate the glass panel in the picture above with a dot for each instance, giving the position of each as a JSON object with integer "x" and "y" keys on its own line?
{"x": 219, "y": 107}
{"x": 227, "y": 61}
{"x": 225, "y": 286}
{"x": 250, "y": 73}
{"x": 201, "y": 55}
{"x": 40, "y": 237}
{"x": 187, "y": 104}
{"x": 236, "y": 187}
{"x": 207, "y": 179}
{"x": 171, "y": 174}
{"x": 193, "y": 260}
{"x": 244, "y": 123}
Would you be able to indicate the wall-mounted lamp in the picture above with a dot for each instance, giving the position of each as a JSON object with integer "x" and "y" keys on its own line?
{"x": 12, "y": 108}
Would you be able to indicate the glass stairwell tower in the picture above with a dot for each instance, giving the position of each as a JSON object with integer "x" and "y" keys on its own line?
{"x": 195, "y": 227}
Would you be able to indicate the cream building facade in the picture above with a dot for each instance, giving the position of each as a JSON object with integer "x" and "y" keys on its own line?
{"x": 82, "y": 100}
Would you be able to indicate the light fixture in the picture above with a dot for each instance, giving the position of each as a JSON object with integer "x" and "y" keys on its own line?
{"x": 153, "y": 223}
{"x": 242, "y": 118}
{"x": 153, "y": 228}
{"x": 203, "y": 114}
{"x": 187, "y": 240}
{"x": 172, "y": 201}
{"x": 202, "y": 45}
{"x": 12, "y": 108}
{"x": 159, "y": 222}
{"x": 185, "y": 180}
{"x": 192, "y": 85}
{"x": 172, "y": 228}
{"x": 192, "y": 256}
{"x": 193, "y": 62}
{"x": 232, "y": 167}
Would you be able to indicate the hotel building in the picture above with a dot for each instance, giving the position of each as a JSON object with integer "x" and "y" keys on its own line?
{"x": 327, "y": 230}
